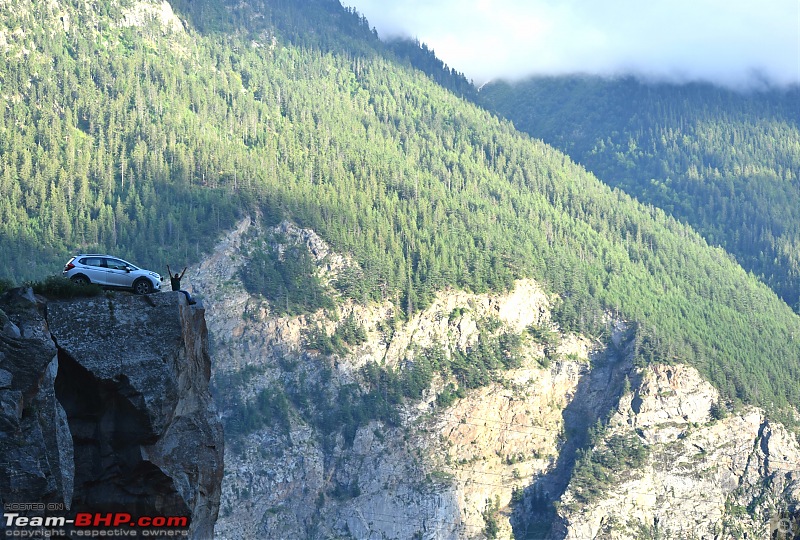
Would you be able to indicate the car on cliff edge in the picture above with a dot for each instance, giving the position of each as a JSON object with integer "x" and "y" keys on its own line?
{"x": 111, "y": 272}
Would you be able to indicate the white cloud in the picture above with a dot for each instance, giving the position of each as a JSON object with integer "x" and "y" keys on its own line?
{"x": 722, "y": 41}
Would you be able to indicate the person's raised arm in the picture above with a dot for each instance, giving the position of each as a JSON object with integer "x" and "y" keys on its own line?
{"x": 169, "y": 271}
{"x": 184, "y": 271}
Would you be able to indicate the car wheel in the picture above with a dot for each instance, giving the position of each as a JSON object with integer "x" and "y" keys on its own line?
{"x": 80, "y": 280}
{"x": 142, "y": 286}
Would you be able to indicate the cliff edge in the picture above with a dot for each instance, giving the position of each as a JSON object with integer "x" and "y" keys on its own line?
{"x": 105, "y": 407}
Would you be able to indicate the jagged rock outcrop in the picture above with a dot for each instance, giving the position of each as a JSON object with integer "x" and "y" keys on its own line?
{"x": 703, "y": 477}
{"x": 143, "y": 11}
{"x": 127, "y": 424}
{"x": 428, "y": 477}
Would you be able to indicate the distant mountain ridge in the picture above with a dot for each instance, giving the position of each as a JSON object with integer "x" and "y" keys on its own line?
{"x": 724, "y": 161}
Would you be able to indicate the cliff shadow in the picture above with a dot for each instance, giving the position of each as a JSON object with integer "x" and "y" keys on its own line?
{"x": 599, "y": 388}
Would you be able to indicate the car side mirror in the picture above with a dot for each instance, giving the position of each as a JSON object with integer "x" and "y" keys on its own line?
{"x": 128, "y": 269}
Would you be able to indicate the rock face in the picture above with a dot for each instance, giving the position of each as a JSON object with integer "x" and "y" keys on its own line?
{"x": 105, "y": 407}
{"x": 498, "y": 455}
{"x": 35, "y": 442}
{"x": 141, "y": 12}
{"x": 439, "y": 472}
{"x": 703, "y": 477}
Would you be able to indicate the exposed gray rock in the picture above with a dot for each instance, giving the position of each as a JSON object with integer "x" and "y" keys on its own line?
{"x": 118, "y": 416}
{"x": 10, "y": 329}
{"x": 513, "y": 443}
{"x": 702, "y": 478}
{"x": 5, "y": 378}
{"x": 134, "y": 382}
{"x": 33, "y": 444}
{"x": 56, "y": 433}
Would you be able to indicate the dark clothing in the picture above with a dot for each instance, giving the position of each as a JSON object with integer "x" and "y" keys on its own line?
{"x": 175, "y": 281}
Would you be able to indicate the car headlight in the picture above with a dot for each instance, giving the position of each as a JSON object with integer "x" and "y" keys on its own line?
{"x": 155, "y": 276}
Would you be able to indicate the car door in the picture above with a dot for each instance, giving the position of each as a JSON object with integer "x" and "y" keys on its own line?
{"x": 118, "y": 273}
{"x": 95, "y": 269}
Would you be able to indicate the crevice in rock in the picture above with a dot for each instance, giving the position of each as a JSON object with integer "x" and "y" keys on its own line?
{"x": 598, "y": 392}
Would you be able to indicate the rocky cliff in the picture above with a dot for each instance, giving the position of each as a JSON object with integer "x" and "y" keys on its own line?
{"x": 438, "y": 471}
{"x": 104, "y": 407}
{"x": 297, "y": 481}
{"x": 699, "y": 475}
{"x": 573, "y": 441}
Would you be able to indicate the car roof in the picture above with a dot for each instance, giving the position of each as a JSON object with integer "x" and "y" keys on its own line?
{"x": 82, "y": 255}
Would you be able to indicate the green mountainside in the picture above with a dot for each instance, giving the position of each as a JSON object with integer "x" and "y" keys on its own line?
{"x": 149, "y": 142}
{"x": 725, "y": 162}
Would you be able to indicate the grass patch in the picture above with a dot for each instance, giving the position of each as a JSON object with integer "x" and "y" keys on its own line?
{"x": 62, "y": 288}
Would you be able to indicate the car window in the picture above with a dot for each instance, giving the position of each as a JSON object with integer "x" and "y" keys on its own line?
{"x": 93, "y": 261}
{"x": 116, "y": 264}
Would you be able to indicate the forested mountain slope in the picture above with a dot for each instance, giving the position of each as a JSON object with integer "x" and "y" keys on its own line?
{"x": 127, "y": 129}
{"x": 725, "y": 162}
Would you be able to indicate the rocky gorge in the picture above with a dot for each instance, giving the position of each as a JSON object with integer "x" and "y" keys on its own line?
{"x": 572, "y": 441}
{"x": 106, "y": 407}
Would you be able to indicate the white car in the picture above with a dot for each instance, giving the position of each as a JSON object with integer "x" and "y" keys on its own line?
{"x": 111, "y": 272}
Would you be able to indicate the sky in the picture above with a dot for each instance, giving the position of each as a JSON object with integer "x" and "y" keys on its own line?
{"x": 730, "y": 42}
